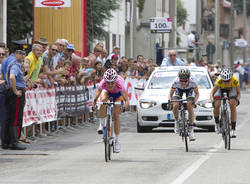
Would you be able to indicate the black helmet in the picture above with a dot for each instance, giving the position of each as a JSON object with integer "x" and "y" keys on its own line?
{"x": 184, "y": 73}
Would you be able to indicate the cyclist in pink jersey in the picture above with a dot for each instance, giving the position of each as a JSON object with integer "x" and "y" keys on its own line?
{"x": 112, "y": 85}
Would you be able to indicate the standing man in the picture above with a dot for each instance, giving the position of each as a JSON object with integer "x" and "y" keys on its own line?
{"x": 2, "y": 104}
{"x": 210, "y": 50}
{"x": 172, "y": 60}
{"x": 192, "y": 42}
{"x": 14, "y": 102}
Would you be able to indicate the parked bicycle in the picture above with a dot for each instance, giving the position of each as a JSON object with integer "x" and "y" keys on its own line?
{"x": 225, "y": 127}
{"x": 108, "y": 138}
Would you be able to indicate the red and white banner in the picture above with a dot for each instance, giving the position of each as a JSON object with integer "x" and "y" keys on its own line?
{"x": 52, "y": 3}
{"x": 40, "y": 106}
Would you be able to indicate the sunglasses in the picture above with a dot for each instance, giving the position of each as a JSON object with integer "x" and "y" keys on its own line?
{"x": 227, "y": 80}
{"x": 54, "y": 50}
{"x": 110, "y": 83}
{"x": 21, "y": 52}
{"x": 2, "y": 54}
{"x": 184, "y": 80}
{"x": 172, "y": 55}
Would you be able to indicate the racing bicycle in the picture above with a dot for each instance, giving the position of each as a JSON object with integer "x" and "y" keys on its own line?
{"x": 108, "y": 138}
{"x": 225, "y": 121}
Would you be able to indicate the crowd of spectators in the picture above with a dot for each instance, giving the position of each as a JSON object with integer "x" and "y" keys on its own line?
{"x": 58, "y": 65}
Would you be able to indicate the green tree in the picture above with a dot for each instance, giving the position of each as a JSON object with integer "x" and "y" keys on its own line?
{"x": 97, "y": 12}
{"x": 181, "y": 18}
{"x": 181, "y": 13}
{"x": 19, "y": 20}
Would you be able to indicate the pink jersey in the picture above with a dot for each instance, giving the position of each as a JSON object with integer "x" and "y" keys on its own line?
{"x": 119, "y": 85}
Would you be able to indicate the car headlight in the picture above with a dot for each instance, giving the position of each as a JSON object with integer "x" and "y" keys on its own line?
{"x": 205, "y": 104}
{"x": 145, "y": 104}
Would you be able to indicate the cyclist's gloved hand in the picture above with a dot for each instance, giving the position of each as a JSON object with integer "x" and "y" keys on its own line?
{"x": 237, "y": 102}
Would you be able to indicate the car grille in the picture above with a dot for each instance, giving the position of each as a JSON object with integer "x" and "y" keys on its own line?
{"x": 203, "y": 118}
{"x": 150, "y": 118}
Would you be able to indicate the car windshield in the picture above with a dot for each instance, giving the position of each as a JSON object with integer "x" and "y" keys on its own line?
{"x": 163, "y": 80}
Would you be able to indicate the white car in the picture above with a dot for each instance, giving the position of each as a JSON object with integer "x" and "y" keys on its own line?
{"x": 151, "y": 106}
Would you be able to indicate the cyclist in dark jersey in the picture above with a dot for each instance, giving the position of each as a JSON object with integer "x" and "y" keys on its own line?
{"x": 184, "y": 84}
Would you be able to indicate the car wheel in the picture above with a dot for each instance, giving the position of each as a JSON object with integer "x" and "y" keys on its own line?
{"x": 141, "y": 129}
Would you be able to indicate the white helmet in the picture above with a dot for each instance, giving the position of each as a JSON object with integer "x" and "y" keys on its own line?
{"x": 110, "y": 75}
{"x": 226, "y": 74}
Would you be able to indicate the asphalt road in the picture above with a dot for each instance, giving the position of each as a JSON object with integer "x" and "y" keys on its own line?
{"x": 77, "y": 156}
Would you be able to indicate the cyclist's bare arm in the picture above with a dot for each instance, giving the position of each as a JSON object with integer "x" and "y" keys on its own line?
{"x": 171, "y": 94}
{"x": 125, "y": 97}
{"x": 97, "y": 94}
{"x": 197, "y": 94}
{"x": 238, "y": 92}
{"x": 215, "y": 88}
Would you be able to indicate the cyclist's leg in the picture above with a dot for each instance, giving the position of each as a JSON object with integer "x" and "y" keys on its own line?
{"x": 190, "y": 98}
{"x": 102, "y": 111}
{"x": 117, "y": 125}
{"x": 217, "y": 104}
{"x": 178, "y": 95}
{"x": 190, "y": 107}
{"x": 233, "y": 104}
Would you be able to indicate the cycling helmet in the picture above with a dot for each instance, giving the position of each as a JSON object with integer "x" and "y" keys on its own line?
{"x": 110, "y": 75}
{"x": 226, "y": 74}
{"x": 184, "y": 73}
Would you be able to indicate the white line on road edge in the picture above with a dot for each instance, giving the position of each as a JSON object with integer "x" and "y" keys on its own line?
{"x": 191, "y": 169}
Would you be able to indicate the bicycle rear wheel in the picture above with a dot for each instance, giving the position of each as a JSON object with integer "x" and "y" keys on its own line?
{"x": 224, "y": 129}
{"x": 227, "y": 121}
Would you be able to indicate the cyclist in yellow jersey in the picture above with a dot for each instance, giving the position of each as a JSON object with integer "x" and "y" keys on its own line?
{"x": 228, "y": 83}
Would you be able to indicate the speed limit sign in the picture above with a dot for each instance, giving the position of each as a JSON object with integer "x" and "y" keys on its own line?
{"x": 160, "y": 25}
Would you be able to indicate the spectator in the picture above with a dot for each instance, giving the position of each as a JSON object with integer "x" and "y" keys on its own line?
{"x": 14, "y": 102}
{"x": 172, "y": 60}
{"x": 34, "y": 64}
{"x": 2, "y": 102}
{"x": 192, "y": 42}
{"x": 116, "y": 50}
{"x": 48, "y": 68}
{"x": 60, "y": 48}
{"x": 245, "y": 76}
{"x": 68, "y": 52}
{"x": 102, "y": 57}
{"x": 43, "y": 42}
{"x": 240, "y": 69}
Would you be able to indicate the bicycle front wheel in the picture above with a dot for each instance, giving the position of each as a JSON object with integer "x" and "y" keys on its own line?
{"x": 185, "y": 130}
{"x": 106, "y": 140}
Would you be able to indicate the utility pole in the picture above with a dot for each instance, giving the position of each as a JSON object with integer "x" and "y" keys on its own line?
{"x": 217, "y": 30}
{"x": 198, "y": 17}
{"x": 172, "y": 13}
{"x": 244, "y": 28}
{"x": 131, "y": 27}
{"x": 232, "y": 34}
{"x": 162, "y": 37}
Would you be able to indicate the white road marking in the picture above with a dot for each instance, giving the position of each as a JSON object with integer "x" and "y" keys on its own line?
{"x": 191, "y": 169}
